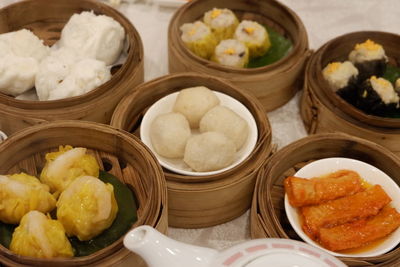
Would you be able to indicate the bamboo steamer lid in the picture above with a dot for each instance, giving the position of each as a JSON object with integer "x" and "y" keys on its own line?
{"x": 324, "y": 111}
{"x": 201, "y": 201}
{"x": 117, "y": 152}
{"x": 268, "y": 217}
{"x": 274, "y": 84}
{"x": 46, "y": 18}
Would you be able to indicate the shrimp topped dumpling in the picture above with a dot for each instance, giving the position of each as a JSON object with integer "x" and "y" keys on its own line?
{"x": 87, "y": 207}
{"x": 41, "y": 237}
{"x": 21, "y": 193}
{"x": 65, "y": 165}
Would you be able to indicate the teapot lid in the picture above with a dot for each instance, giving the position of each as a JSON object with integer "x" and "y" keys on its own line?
{"x": 276, "y": 252}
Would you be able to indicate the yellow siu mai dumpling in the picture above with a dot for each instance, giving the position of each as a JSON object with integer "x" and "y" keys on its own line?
{"x": 65, "y": 165}
{"x": 21, "y": 193}
{"x": 87, "y": 207}
{"x": 40, "y": 237}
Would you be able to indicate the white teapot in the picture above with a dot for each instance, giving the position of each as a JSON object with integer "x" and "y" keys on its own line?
{"x": 159, "y": 250}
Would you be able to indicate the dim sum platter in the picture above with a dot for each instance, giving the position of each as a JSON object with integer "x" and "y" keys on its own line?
{"x": 165, "y": 104}
{"x": 371, "y": 175}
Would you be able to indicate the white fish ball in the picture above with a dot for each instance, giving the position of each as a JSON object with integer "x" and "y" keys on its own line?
{"x": 169, "y": 134}
{"x": 194, "y": 102}
{"x": 224, "y": 120}
{"x": 209, "y": 151}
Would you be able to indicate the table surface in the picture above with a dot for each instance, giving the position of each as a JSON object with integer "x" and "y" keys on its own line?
{"x": 323, "y": 19}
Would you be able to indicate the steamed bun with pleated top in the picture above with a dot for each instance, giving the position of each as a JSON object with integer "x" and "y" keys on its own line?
{"x": 20, "y": 54}
{"x": 94, "y": 36}
{"x": 41, "y": 237}
{"x": 21, "y": 193}
{"x": 87, "y": 207}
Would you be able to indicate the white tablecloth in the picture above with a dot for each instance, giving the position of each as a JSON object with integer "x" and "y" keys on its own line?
{"x": 324, "y": 20}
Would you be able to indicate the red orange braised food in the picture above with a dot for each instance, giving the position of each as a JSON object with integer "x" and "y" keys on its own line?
{"x": 302, "y": 192}
{"x": 340, "y": 212}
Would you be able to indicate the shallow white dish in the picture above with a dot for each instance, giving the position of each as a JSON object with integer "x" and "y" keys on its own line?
{"x": 165, "y": 104}
{"x": 370, "y": 174}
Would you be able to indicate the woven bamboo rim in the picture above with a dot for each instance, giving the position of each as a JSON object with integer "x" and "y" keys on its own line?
{"x": 200, "y": 201}
{"x": 268, "y": 218}
{"x": 117, "y": 152}
{"x": 273, "y": 85}
{"x": 46, "y": 18}
{"x": 326, "y": 113}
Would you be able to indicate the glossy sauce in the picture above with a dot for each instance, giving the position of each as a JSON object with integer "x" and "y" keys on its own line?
{"x": 365, "y": 248}
{"x": 362, "y": 249}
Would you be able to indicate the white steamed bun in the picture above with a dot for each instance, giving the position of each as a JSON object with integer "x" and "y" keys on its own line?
{"x": 85, "y": 75}
{"x": 99, "y": 37}
{"x": 20, "y": 54}
{"x": 17, "y": 74}
{"x": 24, "y": 43}
{"x": 53, "y": 70}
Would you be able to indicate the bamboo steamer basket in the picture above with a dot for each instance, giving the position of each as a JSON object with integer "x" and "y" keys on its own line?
{"x": 323, "y": 111}
{"x": 201, "y": 201}
{"x": 117, "y": 152}
{"x": 274, "y": 84}
{"x": 46, "y": 18}
{"x": 268, "y": 217}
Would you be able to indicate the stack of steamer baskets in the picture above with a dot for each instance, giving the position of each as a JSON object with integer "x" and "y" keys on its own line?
{"x": 268, "y": 217}
{"x": 117, "y": 153}
{"x": 46, "y": 19}
{"x": 323, "y": 110}
{"x": 206, "y": 200}
{"x": 273, "y": 85}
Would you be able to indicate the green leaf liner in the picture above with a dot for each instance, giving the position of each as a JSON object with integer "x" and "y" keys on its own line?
{"x": 126, "y": 216}
{"x": 280, "y": 47}
{"x": 392, "y": 73}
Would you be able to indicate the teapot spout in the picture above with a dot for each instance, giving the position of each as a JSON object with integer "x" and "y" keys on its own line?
{"x": 159, "y": 250}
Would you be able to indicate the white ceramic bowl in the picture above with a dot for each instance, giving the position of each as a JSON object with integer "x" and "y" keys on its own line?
{"x": 165, "y": 105}
{"x": 370, "y": 174}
